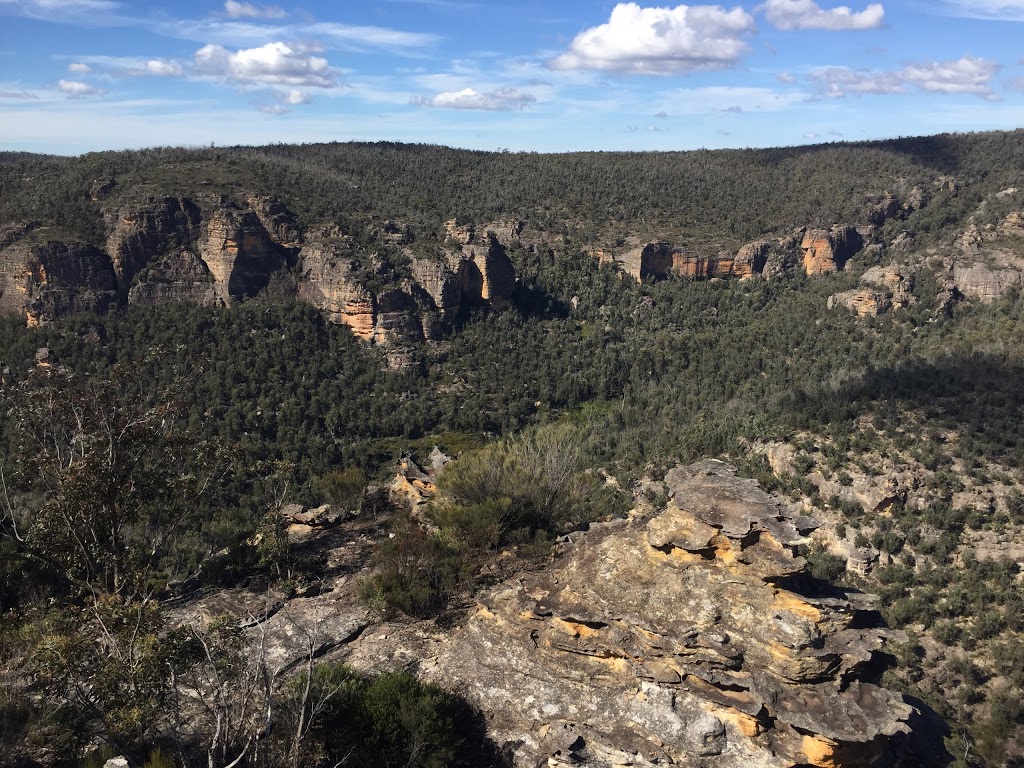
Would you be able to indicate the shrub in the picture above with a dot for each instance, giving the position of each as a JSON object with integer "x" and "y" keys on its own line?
{"x": 416, "y": 572}
{"x": 531, "y": 483}
{"x": 388, "y": 720}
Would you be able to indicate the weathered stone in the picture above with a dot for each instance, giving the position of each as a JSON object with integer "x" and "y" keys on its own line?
{"x": 180, "y": 277}
{"x": 239, "y": 253}
{"x": 984, "y": 283}
{"x": 829, "y": 250}
{"x": 684, "y": 635}
{"x": 45, "y": 282}
{"x": 138, "y": 235}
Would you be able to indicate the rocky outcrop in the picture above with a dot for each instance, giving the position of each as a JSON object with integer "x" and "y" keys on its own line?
{"x": 866, "y": 302}
{"x": 783, "y": 256}
{"x": 690, "y": 636}
{"x": 239, "y": 253}
{"x": 985, "y": 283}
{"x": 751, "y": 259}
{"x": 179, "y": 277}
{"x": 407, "y": 311}
{"x": 47, "y": 281}
{"x": 818, "y": 250}
{"x": 660, "y": 259}
{"x": 138, "y": 235}
{"x": 279, "y": 222}
{"x": 329, "y": 282}
{"x": 829, "y": 250}
{"x": 883, "y": 289}
{"x": 497, "y": 276}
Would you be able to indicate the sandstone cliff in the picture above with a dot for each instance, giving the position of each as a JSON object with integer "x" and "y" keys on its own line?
{"x": 829, "y": 250}
{"x": 818, "y": 251}
{"x": 691, "y": 636}
{"x": 136, "y": 235}
{"x": 218, "y": 251}
{"x": 50, "y": 280}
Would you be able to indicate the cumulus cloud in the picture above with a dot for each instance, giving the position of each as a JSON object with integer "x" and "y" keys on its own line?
{"x": 272, "y": 109}
{"x": 18, "y": 95}
{"x": 656, "y": 41}
{"x": 785, "y": 77}
{"x": 270, "y": 64}
{"x": 76, "y": 89}
{"x": 500, "y": 100}
{"x": 237, "y": 10}
{"x": 968, "y": 74}
{"x": 807, "y": 14}
{"x": 79, "y": 68}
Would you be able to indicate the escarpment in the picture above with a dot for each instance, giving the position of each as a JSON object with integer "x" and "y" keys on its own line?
{"x": 220, "y": 251}
{"x": 691, "y": 636}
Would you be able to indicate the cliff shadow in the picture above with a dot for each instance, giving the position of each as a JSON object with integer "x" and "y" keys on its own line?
{"x": 979, "y": 396}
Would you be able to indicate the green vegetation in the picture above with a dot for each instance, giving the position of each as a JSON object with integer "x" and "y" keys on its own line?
{"x": 156, "y": 445}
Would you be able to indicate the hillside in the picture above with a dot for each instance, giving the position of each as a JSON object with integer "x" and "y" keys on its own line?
{"x": 284, "y": 325}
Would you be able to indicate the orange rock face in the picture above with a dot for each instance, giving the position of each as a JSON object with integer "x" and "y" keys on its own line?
{"x": 828, "y": 250}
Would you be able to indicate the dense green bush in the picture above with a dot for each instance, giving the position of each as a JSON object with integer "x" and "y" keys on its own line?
{"x": 534, "y": 482}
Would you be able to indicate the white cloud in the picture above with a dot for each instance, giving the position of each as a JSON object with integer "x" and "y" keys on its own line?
{"x": 128, "y": 66}
{"x": 660, "y": 40}
{"x": 361, "y": 37}
{"x": 807, "y": 14}
{"x": 967, "y": 74}
{"x": 996, "y": 10}
{"x": 272, "y": 109}
{"x": 58, "y": 9}
{"x": 270, "y": 64}
{"x": 837, "y": 82}
{"x": 76, "y": 89}
{"x": 18, "y": 95}
{"x": 294, "y": 97}
{"x": 500, "y": 100}
{"x": 785, "y": 77}
{"x": 162, "y": 68}
{"x": 237, "y": 10}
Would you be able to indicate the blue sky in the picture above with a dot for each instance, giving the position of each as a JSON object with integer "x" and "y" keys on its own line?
{"x": 555, "y": 75}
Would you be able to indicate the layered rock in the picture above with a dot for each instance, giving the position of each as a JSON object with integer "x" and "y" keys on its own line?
{"x": 137, "y": 235}
{"x": 985, "y": 283}
{"x": 47, "y": 281}
{"x": 181, "y": 276}
{"x": 409, "y": 311}
{"x": 279, "y": 222}
{"x": 497, "y": 276}
{"x": 239, "y": 253}
{"x": 693, "y": 636}
{"x": 329, "y": 283}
